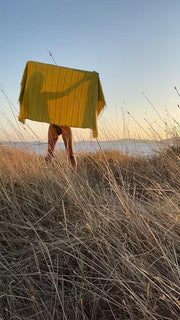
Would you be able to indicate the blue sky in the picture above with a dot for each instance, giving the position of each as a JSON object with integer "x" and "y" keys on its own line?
{"x": 133, "y": 44}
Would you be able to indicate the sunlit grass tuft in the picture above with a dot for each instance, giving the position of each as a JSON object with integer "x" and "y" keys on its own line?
{"x": 99, "y": 244}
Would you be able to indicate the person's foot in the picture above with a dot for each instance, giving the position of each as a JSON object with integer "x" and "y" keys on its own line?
{"x": 48, "y": 158}
{"x": 73, "y": 163}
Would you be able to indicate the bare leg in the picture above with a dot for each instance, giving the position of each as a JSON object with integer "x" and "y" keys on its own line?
{"x": 68, "y": 142}
{"x": 52, "y": 140}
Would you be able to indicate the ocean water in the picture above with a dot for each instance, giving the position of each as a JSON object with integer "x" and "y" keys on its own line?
{"x": 126, "y": 146}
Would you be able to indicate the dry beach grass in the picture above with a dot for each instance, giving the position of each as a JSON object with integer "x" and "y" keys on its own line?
{"x": 99, "y": 244}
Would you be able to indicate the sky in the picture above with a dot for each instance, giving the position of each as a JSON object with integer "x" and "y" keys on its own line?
{"x": 134, "y": 45}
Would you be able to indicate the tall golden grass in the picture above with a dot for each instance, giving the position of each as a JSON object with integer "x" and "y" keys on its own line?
{"x": 100, "y": 244}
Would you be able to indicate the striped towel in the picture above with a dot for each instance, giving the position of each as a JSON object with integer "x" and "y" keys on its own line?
{"x": 61, "y": 96}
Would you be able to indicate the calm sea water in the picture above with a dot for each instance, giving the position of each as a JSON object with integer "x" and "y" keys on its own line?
{"x": 132, "y": 147}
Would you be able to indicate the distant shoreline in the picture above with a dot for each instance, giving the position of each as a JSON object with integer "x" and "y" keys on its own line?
{"x": 126, "y": 146}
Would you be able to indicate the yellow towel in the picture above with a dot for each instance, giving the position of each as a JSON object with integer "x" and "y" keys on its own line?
{"x": 61, "y": 96}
